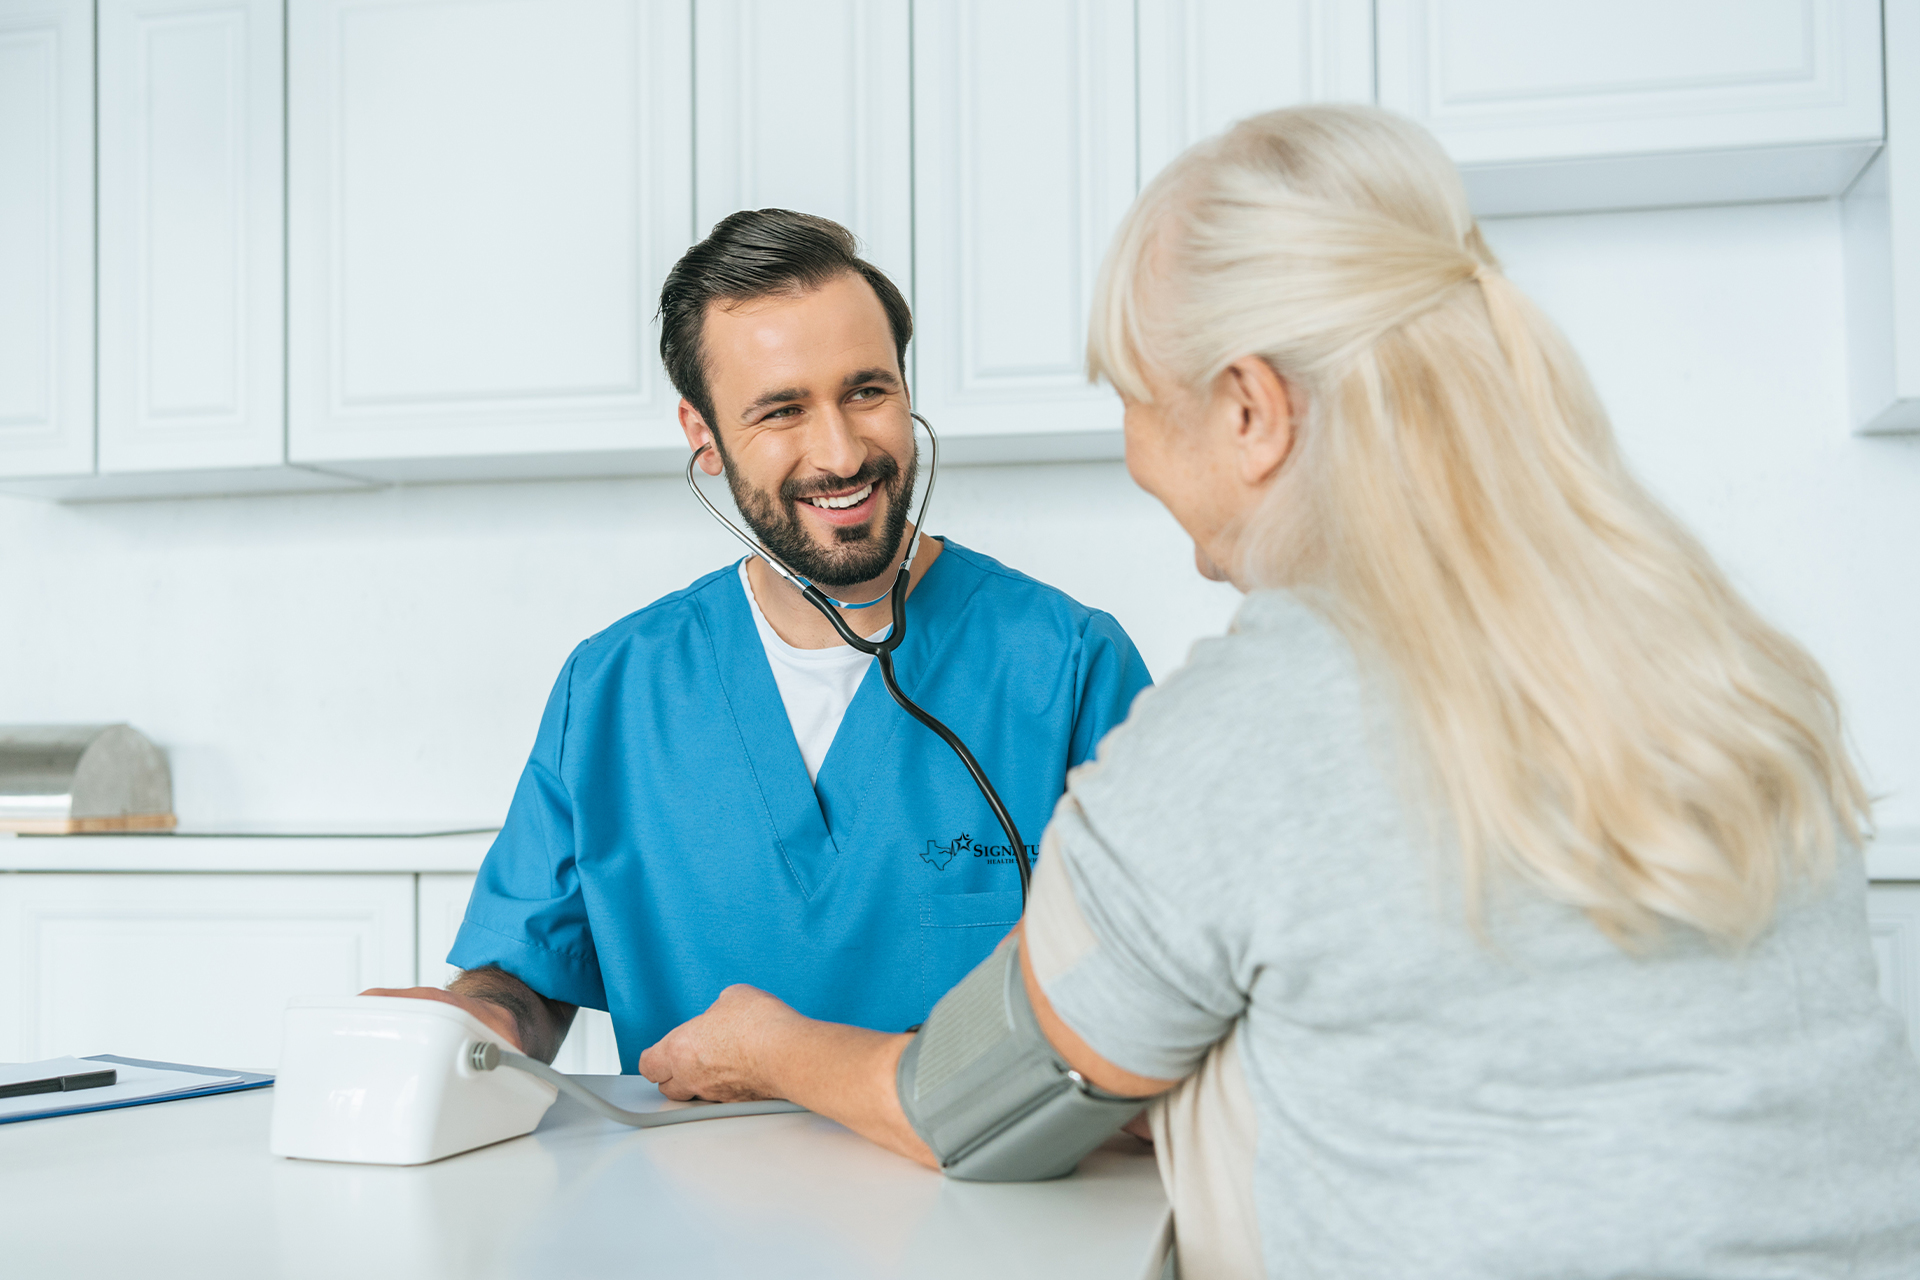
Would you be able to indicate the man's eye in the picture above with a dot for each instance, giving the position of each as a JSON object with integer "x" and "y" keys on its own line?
{"x": 866, "y": 393}
{"x": 786, "y": 412}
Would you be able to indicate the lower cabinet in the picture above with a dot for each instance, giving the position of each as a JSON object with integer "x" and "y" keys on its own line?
{"x": 1893, "y": 910}
{"x": 188, "y": 968}
{"x": 198, "y": 968}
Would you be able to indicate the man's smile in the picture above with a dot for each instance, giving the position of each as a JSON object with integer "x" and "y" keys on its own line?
{"x": 844, "y": 510}
{"x": 840, "y": 502}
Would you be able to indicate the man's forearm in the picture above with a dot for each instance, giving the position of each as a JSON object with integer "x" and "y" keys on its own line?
{"x": 542, "y": 1022}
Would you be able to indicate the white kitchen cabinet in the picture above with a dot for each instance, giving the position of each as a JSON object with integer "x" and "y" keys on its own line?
{"x": 1893, "y": 911}
{"x": 590, "y": 1048}
{"x": 807, "y": 105}
{"x": 188, "y": 968}
{"x": 483, "y": 201}
{"x": 192, "y": 299}
{"x": 1880, "y": 218}
{"x": 1025, "y": 158}
{"x": 443, "y": 904}
{"x": 46, "y": 237}
{"x": 469, "y": 205}
{"x": 1206, "y": 63}
{"x": 1600, "y": 104}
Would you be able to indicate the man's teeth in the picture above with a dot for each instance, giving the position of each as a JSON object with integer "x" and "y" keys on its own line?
{"x": 837, "y": 504}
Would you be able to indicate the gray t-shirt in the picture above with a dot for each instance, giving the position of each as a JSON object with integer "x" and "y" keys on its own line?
{"x": 1239, "y": 868}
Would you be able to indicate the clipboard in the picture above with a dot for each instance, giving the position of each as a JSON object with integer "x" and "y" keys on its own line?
{"x": 73, "y": 1106}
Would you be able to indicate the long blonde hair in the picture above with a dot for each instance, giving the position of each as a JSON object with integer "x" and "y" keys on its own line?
{"x": 1599, "y": 709}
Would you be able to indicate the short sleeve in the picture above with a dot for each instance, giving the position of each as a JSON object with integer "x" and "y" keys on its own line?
{"x": 527, "y": 915}
{"x": 1148, "y": 989}
{"x": 1111, "y": 675}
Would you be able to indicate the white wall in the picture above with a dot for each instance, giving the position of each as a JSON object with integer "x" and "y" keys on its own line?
{"x": 384, "y": 656}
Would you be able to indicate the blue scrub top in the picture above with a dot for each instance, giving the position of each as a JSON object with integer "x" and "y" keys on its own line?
{"x": 665, "y": 841}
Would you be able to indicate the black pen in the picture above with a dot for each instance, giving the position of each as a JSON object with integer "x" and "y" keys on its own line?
{"x": 61, "y": 1084}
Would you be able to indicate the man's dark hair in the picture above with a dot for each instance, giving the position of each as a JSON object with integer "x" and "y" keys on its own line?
{"x": 759, "y": 253}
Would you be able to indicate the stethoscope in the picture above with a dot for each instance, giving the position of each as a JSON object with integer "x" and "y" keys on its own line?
{"x": 882, "y": 649}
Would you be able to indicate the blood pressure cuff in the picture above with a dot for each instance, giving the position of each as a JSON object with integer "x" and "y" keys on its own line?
{"x": 984, "y": 1089}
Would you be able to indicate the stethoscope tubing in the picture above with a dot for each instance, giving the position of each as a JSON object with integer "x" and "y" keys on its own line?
{"x": 882, "y": 649}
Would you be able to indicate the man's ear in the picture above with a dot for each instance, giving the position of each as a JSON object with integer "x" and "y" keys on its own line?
{"x": 699, "y": 436}
{"x": 1263, "y": 417}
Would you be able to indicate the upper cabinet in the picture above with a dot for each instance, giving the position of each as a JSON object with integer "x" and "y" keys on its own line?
{"x": 1028, "y": 150}
{"x": 46, "y": 238}
{"x": 191, "y": 170}
{"x": 1632, "y": 103}
{"x": 483, "y": 202}
{"x": 352, "y": 242}
{"x": 1880, "y": 219}
{"x": 808, "y": 105}
{"x": 185, "y": 329}
{"x": 1025, "y": 158}
{"x": 1206, "y": 63}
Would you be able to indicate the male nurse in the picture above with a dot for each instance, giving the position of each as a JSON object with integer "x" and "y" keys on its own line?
{"x": 721, "y": 789}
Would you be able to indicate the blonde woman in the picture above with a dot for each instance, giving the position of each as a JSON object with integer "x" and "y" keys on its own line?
{"x": 1488, "y": 903}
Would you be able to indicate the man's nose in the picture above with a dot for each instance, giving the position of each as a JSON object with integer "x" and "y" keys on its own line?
{"x": 832, "y": 446}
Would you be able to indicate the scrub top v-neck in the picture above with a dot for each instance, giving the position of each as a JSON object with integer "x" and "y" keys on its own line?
{"x": 666, "y": 841}
{"x": 816, "y": 685}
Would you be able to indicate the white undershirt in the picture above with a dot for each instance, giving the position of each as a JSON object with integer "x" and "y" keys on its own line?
{"x": 817, "y": 685}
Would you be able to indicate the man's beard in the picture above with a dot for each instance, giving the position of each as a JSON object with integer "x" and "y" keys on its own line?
{"x": 857, "y": 554}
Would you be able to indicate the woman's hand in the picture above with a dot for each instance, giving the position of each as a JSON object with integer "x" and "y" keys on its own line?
{"x": 730, "y": 1053}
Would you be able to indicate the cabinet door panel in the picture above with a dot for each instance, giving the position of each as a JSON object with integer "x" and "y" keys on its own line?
{"x": 1206, "y": 63}
{"x": 188, "y": 968}
{"x": 1024, "y": 161}
{"x": 443, "y": 904}
{"x": 590, "y": 1048}
{"x": 1894, "y": 913}
{"x": 191, "y": 232}
{"x": 806, "y": 104}
{"x": 1511, "y": 80}
{"x": 46, "y": 238}
{"x": 484, "y": 201}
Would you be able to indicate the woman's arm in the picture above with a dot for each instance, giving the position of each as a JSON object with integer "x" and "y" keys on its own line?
{"x": 1098, "y": 1072}
{"x": 751, "y": 1045}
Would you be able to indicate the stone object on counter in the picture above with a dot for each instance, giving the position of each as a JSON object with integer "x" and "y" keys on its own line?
{"x": 73, "y": 779}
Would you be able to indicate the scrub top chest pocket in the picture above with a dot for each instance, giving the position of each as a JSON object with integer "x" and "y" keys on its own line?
{"x": 957, "y": 931}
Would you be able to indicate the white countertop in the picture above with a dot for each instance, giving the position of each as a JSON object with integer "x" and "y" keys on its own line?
{"x": 187, "y": 1189}
{"x": 1894, "y": 855}
{"x": 282, "y": 853}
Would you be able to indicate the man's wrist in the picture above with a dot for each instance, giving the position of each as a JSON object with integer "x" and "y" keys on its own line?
{"x": 507, "y": 994}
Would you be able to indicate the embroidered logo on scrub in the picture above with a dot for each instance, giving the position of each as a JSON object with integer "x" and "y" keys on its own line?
{"x": 937, "y": 855}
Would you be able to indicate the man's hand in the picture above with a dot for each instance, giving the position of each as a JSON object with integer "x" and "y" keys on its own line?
{"x": 525, "y": 1019}
{"x": 722, "y": 1055}
{"x": 498, "y": 1020}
